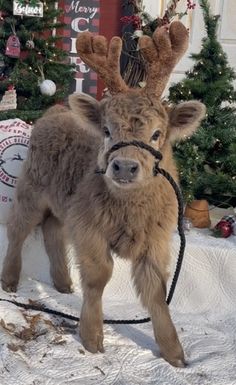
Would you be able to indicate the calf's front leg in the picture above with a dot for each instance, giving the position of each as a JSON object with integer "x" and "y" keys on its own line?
{"x": 95, "y": 264}
{"x": 151, "y": 288}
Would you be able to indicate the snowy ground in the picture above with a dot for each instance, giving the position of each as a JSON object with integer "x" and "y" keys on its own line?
{"x": 38, "y": 349}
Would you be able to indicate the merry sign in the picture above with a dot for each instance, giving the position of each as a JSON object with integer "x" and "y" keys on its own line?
{"x": 80, "y": 16}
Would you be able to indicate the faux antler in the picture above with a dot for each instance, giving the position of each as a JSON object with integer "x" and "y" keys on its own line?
{"x": 104, "y": 59}
{"x": 162, "y": 52}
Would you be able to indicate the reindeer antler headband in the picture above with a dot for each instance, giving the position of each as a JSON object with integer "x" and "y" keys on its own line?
{"x": 162, "y": 52}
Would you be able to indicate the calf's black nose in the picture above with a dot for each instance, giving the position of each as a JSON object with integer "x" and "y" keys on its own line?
{"x": 125, "y": 169}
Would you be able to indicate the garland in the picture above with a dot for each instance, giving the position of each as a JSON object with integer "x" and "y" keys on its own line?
{"x": 141, "y": 20}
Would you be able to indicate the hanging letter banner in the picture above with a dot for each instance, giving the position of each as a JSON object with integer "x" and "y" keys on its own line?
{"x": 80, "y": 16}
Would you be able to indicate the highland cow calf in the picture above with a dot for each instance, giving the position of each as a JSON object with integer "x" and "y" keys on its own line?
{"x": 126, "y": 210}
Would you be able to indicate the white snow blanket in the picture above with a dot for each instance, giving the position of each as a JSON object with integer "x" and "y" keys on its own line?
{"x": 39, "y": 349}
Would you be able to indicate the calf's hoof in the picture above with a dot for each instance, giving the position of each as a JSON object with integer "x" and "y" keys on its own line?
{"x": 93, "y": 344}
{"x": 176, "y": 360}
{"x": 65, "y": 287}
{"x": 9, "y": 285}
{"x": 178, "y": 363}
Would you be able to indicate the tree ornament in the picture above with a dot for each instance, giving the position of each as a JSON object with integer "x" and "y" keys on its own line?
{"x": 9, "y": 101}
{"x": 47, "y": 87}
{"x": 29, "y": 44}
{"x": 13, "y": 46}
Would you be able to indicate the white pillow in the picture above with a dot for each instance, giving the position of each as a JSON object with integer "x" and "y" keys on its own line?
{"x": 14, "y": 142}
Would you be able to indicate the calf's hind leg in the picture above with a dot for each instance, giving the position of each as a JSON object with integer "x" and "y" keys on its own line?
{"x": 54, "y": 239}
{"x": 25, "y": 215}
{"x": 150, "y": 286}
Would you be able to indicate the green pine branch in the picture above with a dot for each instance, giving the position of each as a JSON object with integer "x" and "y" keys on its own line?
{"x": 207, "y": 161}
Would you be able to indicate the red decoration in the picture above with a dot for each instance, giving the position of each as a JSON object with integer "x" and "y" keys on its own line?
{"x": 223, "y": 229}
{"x": 13, "y": 46}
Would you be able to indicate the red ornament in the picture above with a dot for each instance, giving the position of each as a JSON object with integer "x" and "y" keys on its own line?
{"x": 223, "y": 229}
{"x": 13, "y": 46}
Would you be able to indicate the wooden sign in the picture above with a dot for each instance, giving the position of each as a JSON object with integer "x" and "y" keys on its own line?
{"x": 80, "y": 16}
{"x": 27, "y": 9}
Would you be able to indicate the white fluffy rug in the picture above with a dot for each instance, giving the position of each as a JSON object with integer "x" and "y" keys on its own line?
{"x": 38, "y": 349}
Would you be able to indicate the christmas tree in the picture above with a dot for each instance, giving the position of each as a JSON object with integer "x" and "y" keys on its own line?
{"x": 207, "y": 161}
{"x": 32, "y": 63}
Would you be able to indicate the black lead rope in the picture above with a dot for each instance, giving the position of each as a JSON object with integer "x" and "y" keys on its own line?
{"x": 156, "y": 170}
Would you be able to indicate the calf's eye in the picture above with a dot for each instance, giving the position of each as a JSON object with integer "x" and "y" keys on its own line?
{"x": 155, "y": 136}
{"x": 107, "y": 132}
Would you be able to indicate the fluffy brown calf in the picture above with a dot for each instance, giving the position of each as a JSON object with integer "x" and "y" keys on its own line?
{"x": 126, "y": 211}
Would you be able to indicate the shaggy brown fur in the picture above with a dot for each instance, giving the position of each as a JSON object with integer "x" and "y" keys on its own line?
{"x": 59, "y": 188}
{"x": 126, "y": 211}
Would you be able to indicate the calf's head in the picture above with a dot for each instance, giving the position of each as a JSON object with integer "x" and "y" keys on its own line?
{"x": 135, "y": 114}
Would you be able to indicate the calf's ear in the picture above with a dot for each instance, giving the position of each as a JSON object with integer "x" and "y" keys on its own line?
{"x": 86, "y": 108}
{"x": 184, "y": 119}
